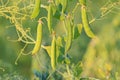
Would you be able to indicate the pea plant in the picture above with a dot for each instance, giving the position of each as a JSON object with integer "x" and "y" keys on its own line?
{"x": 60, "y": 67}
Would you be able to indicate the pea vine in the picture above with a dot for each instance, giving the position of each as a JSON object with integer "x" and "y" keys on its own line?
{"x": 58, "y": 50}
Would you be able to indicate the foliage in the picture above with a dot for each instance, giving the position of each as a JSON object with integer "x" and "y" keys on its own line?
{"x": 12, "y": 76}
{"x": 69, "y": 43}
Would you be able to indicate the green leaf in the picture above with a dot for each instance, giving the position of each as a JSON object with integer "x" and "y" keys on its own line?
{"x": 62, "y": 17}
{"x": 77, "y": 31}
{"x": 54, "y": 9}
{"x": 60, "y": 59}
{"x": 59, "y": 49}
{"x": 84, "y": 79}
{"x": 78, "y": 69}
{"x": 57, "y": 14}
{"x": 67, "y": 60}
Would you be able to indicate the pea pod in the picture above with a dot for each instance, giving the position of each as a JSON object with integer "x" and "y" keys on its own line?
{"x": 50, "y": 17}
{"x": 69, "y": 36}
{"x": 38, "y": 39}
{"x": 85, "y": 21}
{"x": 36, "y": 9}
{"x": 53, "y": 52}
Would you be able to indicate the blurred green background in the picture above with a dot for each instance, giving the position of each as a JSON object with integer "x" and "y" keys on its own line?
{"x": 99, "y": 56}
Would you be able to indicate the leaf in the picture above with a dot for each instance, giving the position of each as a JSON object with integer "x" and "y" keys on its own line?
{"x": 54, "y": 9}
{"x": 57, "y": 14}
{"x": 67, "y": 60}
{"x": 84, "y": 79}
{"x": 59, "y": 48}
{"x": 41, "y": 75}
{"x": 62, "y": 17}
{"x": 78, "y": 69}
{"x": 64, "y": 5}
{"x": 60, "y": 59}
{"x": 48, "y": 49}
{"x": 75, "y": 32}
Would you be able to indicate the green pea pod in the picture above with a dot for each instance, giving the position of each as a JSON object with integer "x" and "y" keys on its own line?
{"x": 36, "y": 10}
{"x": 86, "y": 22}
{"x": 50, "y": 17}
{"x": 58, "y": 45}
{"x": 38, "y": 39}
{"x": 53, "y": 52}
{"x": 69, "y": 36}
